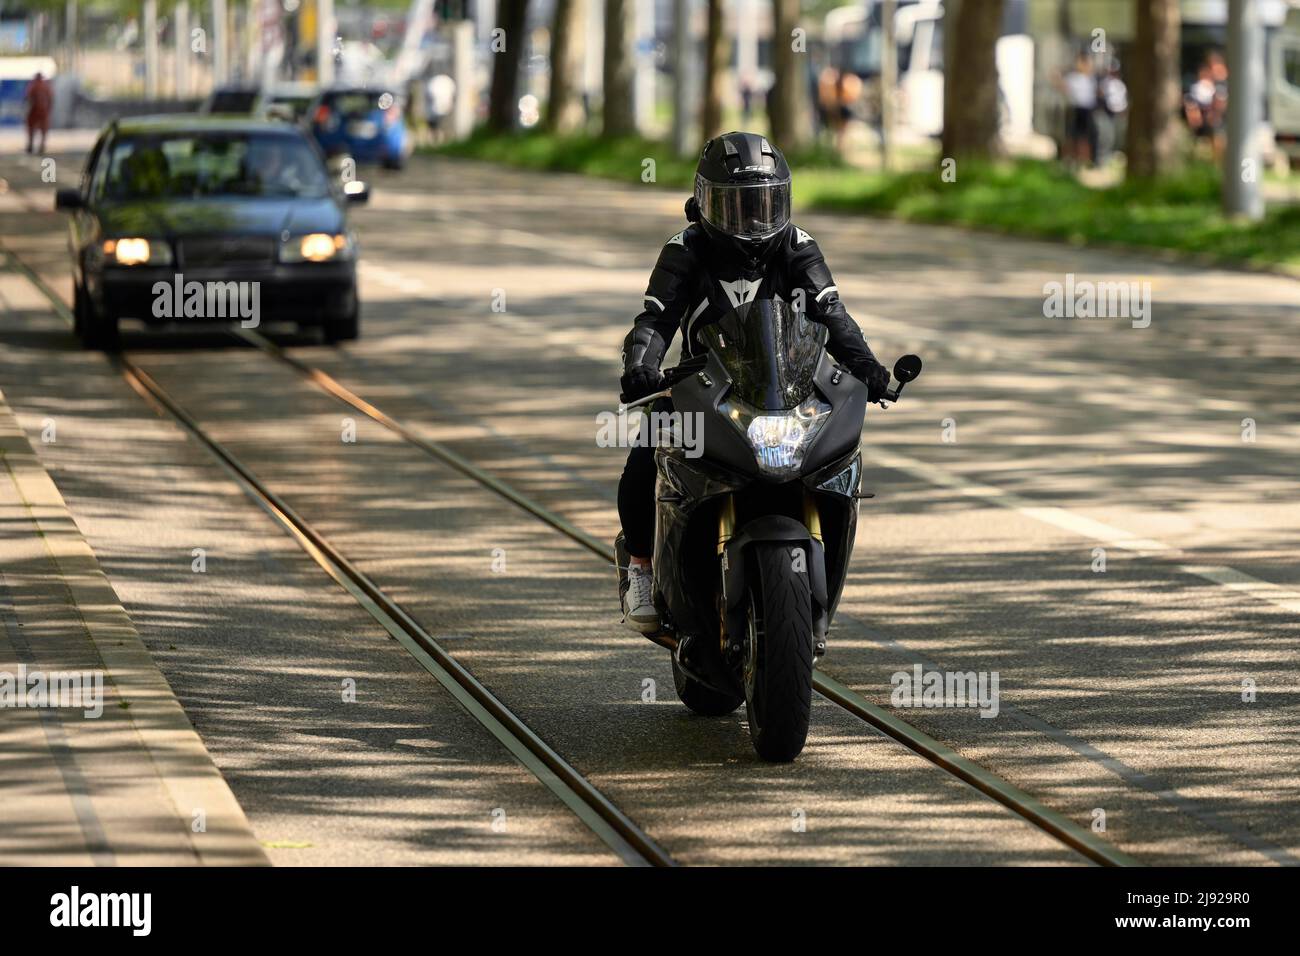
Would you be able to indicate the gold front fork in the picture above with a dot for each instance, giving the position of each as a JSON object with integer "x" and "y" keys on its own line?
{"x": 726, "y": 528}
{"x": 726, "y": 522}
{"x": 811, "y": 516}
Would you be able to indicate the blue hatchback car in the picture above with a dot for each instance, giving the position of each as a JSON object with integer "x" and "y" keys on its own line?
{"x": 364, "y": 122}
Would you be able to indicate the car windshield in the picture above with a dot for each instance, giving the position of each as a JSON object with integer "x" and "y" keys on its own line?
{"x": 232, "y": 101}
{"x": 770, "y": 350}
{"x": 357, "y": 103}
{"x": 297, "y": 105}
{"x": 200, "y": 165}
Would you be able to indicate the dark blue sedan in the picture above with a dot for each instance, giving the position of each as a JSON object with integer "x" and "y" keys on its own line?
{"x": 200, "y": 219}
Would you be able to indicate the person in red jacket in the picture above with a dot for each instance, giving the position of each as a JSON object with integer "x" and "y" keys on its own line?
{"x": 39, "y": 98}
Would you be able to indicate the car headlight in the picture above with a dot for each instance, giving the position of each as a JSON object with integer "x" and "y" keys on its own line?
{"x": 134, "y": 251}
{"x": 316, "y": 247}
{"x": 779, "y": 439}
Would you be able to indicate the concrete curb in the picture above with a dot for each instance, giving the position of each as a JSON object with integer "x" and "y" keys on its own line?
{"x": 182, "y": 763}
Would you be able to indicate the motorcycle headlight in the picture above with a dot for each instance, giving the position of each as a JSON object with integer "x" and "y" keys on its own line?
{"x": 134, "y": 251}
{"x": 779, "y": 439}
{"x": 316, "y": 247}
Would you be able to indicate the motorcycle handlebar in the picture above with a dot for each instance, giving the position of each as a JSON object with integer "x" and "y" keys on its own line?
{"x": 905, "y": 369}
{"x": 684, "y": 370}
{"x": 669, "y": 378}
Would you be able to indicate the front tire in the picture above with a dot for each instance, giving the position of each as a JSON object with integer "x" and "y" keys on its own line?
{"x": 96, "y": 331}
{"x": 703, "y": 700}
{"x": 345, "y": 328}
{"x": 778, "y": 669}
{"x": 79, "y": 307}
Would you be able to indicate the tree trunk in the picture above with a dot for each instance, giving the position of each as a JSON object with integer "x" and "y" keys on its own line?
{"x": 564, "y": 113}
{"x": 717, "y": 50}
{"x": 789, "y": 109}
{"x": 970, "y": 89}
{"x": 1154, "y": 90}
{"x": 503, "y": 97}
{"x": 618, "y": 113}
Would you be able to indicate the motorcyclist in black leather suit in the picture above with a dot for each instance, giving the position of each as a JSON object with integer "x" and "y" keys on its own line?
{"x": 740, "y": 246}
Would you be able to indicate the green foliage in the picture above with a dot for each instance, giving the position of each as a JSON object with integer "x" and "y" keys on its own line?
{"x": 1025, "y": 197}
{"x": 1041, "y": 199}
{"x": 619, "y": 158}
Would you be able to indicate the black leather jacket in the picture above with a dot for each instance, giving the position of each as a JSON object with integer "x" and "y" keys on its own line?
{"x": 695, "y": 283}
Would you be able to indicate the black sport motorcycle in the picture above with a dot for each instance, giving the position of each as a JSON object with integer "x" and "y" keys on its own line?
{"x": 756, "y": 515}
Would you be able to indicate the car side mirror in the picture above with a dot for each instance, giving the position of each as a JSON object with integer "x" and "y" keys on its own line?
{"x": 68, "y": 199}
{"x": 907, "y": 368}
{"x": 356, "y": 191}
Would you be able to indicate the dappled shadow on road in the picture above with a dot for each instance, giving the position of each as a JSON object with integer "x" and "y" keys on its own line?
{"x": 260, "y": 663}
{"x": 542, "y": 632}
{"x": 1139, "y": 668}
{"x": 259, "y": 667}
{"x": 1053, "y": 438}
{"x": 1141, "y": 663}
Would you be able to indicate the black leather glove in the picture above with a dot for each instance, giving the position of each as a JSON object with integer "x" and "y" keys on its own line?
{"x": 875, "y": 376}
{"x": 640, "y": 381}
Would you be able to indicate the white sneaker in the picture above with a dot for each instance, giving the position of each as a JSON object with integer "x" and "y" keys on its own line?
{"x": 638, "y": 601}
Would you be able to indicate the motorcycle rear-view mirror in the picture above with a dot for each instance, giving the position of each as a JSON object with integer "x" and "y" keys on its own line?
{"x": 907, "y": 368}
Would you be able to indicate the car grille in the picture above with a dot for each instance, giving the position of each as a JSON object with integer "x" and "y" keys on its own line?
{"x": 234, "y": 250}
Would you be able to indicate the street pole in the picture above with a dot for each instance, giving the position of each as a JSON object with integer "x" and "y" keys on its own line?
{"x": 325, "y": 34}
{"x": 464, "y": 107}
{"x": 1241, "y": 165}
{"x": 71, "y": 18}
{"x": 888, "y": 81}
{"x": 593, "y": 74}
{"x": 684, "y": 124}
{"x": 252, "y": 42}
{"x": 181, "y": 16}
{"x": 150, "y": 49}
{"x": 219, "y": 66}
{"x": 255, "y": 53}
{"x": 747, "y": 17}
{"x": 644, "y": 65}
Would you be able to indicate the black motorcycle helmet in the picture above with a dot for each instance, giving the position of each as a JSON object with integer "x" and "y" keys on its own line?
{"x": 742, "y": 193}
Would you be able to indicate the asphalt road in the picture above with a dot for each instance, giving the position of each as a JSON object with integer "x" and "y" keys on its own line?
{"x": 1121, "y": 691}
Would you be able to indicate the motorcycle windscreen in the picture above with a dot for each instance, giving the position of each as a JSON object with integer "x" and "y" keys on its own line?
{"x": 770, "y": 351}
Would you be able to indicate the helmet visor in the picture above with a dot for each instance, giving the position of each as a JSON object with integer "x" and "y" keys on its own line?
{"x": 745, "y": 211}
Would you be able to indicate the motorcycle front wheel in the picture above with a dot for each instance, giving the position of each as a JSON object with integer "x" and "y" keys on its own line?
{"x": 778, "y": 670}
{"x": 700, "y": 698}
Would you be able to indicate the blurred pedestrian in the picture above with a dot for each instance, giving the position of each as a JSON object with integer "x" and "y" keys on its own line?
{"x": 40, "y": 100}
{"x": 746, "y": 99}
{"x": 1080, "y": 89}
{"x": 1112, "y": 96}
{"x": 440, "y": 99}
{"x": 1219, "y": 77}
{"x": 838, "y": 92}
{"x": 1205, "y": 105}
